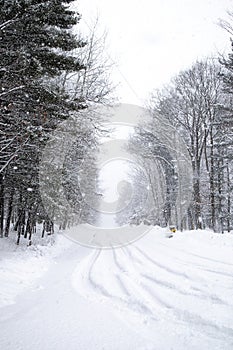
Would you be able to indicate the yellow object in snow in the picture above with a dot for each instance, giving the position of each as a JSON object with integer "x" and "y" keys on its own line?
{"x": 173, "y": 229}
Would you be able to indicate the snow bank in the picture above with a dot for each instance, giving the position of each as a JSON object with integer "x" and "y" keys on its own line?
{"x": 21, "y": 266}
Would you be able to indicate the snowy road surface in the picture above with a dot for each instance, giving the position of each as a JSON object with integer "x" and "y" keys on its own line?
{"x": 155, "y": 294}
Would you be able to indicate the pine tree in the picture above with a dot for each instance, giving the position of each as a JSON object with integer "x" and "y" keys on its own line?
{"x": 36, "y": 46}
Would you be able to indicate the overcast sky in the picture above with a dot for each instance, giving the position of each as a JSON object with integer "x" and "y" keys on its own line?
{"x": 152, "y": 40}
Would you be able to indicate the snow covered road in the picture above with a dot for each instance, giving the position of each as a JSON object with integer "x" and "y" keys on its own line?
{"x": 155, "y": 294}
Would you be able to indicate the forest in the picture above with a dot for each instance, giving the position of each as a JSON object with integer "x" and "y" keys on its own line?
{"x": 49, "y": 73}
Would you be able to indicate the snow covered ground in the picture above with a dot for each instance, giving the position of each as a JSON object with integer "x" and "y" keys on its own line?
{"x": 21, "y": 266}
{"x": 155, "y": 294}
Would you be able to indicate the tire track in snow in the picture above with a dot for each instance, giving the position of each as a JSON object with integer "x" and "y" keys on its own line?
{"x": 195, "y": 255}
{"x": 200, "y": 267}
{"x": 130, "y": 278}
{"x": 161, "y": 266}
{"x": 123, "y": 303}
{"x": 143, "y": 299}
{"x": 117, "y": 263}
{"x": 194, "y": 263}
{"x": 184, "y": 315}
{"x": 164, "y": 283}
{"x": 157, "y": 300}
{"x": 134, "y": 283}
{"x": 173, "y": 287}
{"x": 130, "y": 255}
{"x": 96, "y": 285}
{"x": 129, "y": 283}
{"x": 122, "y": 285}
{"x": 204, "y": 293}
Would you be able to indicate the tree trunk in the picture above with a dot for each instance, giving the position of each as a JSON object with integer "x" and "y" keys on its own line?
{"x": 220, "y": 182}
{"x": 197, "y": 195}
{"x": 190, "y": 220}
{"x": 10, "y": 208}
{"x": 1, "y": 205}
{"x": 228, "y": 199}
{"x": 212, "y": 184}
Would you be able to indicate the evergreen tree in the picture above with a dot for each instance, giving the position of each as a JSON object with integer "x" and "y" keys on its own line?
{"x": 36, "y": 47}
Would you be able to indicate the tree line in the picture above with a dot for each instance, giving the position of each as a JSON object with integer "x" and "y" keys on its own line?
{"x": 198, "y": 104}
{"x": 48, "y": 73}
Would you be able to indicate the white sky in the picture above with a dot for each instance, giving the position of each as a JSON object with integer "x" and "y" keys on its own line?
{"x": 152, "y": 40}
{"x": 115, "y": 171}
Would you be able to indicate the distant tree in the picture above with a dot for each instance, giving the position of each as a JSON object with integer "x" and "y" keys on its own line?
{"x": 157, "y": 162}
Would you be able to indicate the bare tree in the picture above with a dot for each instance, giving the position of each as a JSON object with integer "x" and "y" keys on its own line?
{"x": 190, "y": 104}
{"x": 93, "y": 83}
{"x": 227, "y": 24}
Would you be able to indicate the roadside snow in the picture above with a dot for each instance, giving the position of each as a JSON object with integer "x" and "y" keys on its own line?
{"x": 22, "y": 266}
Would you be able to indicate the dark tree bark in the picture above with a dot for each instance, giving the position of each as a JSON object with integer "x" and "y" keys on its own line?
{"x": 9, "y": 213}
{"x": 1, "y": 205}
